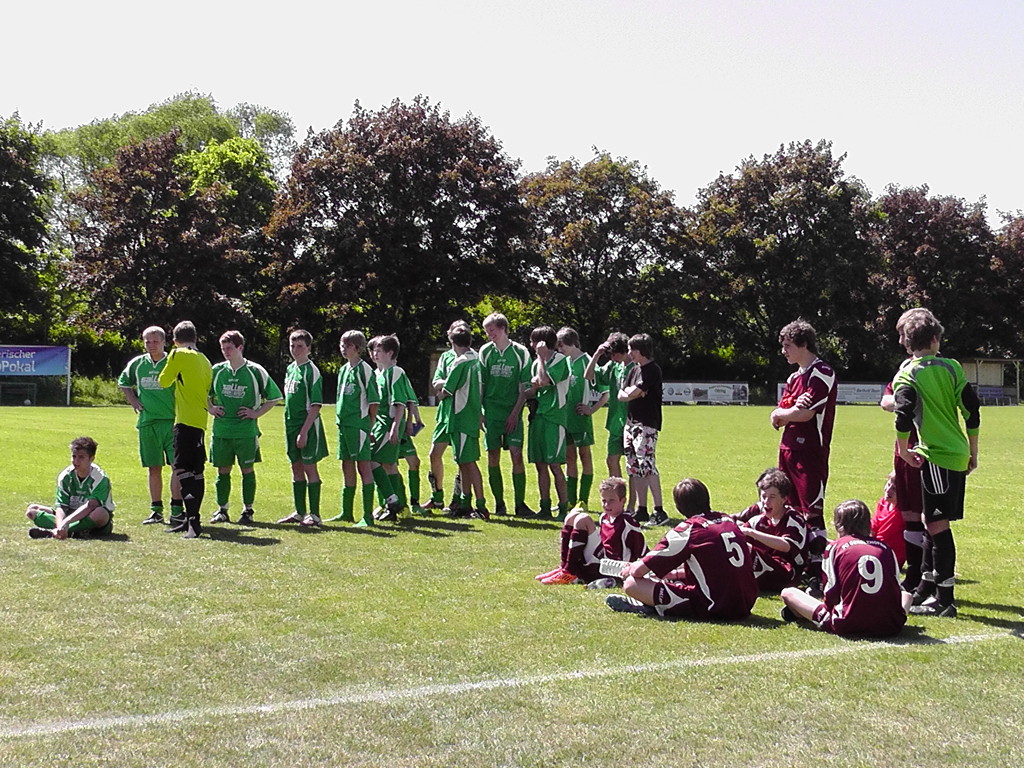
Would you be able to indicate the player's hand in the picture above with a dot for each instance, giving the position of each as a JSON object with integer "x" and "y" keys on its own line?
{"x": 301, "y": 439}
{"x": 216, "y": 410}
{"x": 137, "y": 407}
{"x": 776, "y": 418}
{"x": 60, "y": 533}
{"x": 512, "y": 422}
{"x": 246, "y": 413}
{"x": 393, "y": 435}
{"x": 915, "y": 460}
{"x": 804, "y": 401}
{"x": 540, "y": 345}
{"x": 972, "y": 464}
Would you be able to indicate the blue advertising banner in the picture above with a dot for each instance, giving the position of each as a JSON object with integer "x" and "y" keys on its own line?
{"x": 33, "y": 361}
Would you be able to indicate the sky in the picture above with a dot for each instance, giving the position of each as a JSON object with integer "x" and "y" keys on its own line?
{"x": 912, "y": 92}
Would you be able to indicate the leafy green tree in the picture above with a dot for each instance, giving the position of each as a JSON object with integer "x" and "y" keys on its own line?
{"x": 396, "y": 222}
{"x": 23, "y": 208}
{"x": 168, "y": 235}
{"x": 783, "y": 237}
{"x": 610, "y": 239}
{"x": 935, "y": 251}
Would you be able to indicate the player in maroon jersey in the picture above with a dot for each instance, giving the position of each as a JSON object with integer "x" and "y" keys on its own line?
{"x": 805, "y": 415}
{"x": 862, "y": 582}
{"x": 775, "y": 532}
{"x": 584, "y": 544}
{"x": 703, "y": 566}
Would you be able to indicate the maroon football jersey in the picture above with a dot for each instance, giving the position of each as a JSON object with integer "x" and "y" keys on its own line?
{"x": 862, "y": 589}
{"x": 816, "y": 434}
{"x": 621, "y": 538}
{"x": 716, "y": 577}
{"x": 908, "y": 478}
{"x": 775, "y": 570}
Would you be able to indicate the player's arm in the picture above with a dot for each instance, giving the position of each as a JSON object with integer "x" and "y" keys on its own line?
{"x": 214, "y": 409}
{"x": 590, "y": 410}
{"x": 971, "y": 407}
{"x": 65, "y": 521}
{"x": 542, "y": 379}
{"x": 170, "y": 372}
{"x": 778, "y": 543}
{"x": 132, "y": 398}
{"x": 312, "y": 414}
{"x": 588, "y": 374}
{"x": 397, "y": 412}
{"x": 906, "y": 404}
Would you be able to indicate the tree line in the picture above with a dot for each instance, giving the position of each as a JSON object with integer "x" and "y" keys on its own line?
{"x": 405, "y": 218}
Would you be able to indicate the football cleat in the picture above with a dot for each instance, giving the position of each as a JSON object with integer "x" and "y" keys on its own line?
{"x": 605, "y": 582}
{"x": 155, "y": 516}
{"x": 562, "y": 577}
{"x": 220, "y": 516}
{"x": 625, "y": 604}
{"x": 246, "y": 518}
{"x": 294, "y": 517}
{"x": 310, "y": 521}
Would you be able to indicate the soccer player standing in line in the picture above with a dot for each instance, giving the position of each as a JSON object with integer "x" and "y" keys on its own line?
{"x": 155, "y": 405}
{"x": 931, "y": 394}
{"x": 189, "y": 371}
{"x": 388, "y": 427}
{"x": 579, "y": 425}
{"x": 305, "y": 440}
{"x": 240, "y": 392}
{"x": 505, "y": 370}
{"x": 805, "y": 415}
{"x": 355, "y": 410}
{"x": 609, "y": 378}
{"x": 643, "y": 423}
{"x": 441, "y": 438}
{"x": 462, "y": 387}
{"x": 550, "y": 382}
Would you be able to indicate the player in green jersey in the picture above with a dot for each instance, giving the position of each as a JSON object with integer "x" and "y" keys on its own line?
{"x": 505, "y": 371}
{"x": 579, "y": 425}
{"x": 550, "y": 383}
{"x": 189, "y": 372}
{"x": 83, "y": 505}
{"x": 610, "y": 377}
{"x": 462, "y": 388}
{"x": 305, "y": 441}
{"x": 355, "y": 410}
{"x": 932, "y": 393}
{"x": 139, "y": 382}
{"x": 240, "y": 392}
{"x": 388, "y": 427}
{"x": 441, "y": 437}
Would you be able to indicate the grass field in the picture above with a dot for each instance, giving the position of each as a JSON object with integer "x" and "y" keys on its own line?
{"x": 430, "y": 644}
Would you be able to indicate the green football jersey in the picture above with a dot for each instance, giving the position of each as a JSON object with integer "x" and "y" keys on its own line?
{"x": 303, "y": 388}
{"x": 357, "y": 391}
{"x": 504, "y": 375}
{"x": 248, "y": 387}
{"x": 610, "y": 378}
{"x": 189, "y": 372}
{"x": 939, "y": 383}
{"x": 394, "y": 387}
{"x": 73, "y": 492}
{"x": 579, "y": 392}
{"x": 444, "y": 366}
{"x": 143, "y": 375}
{"x": 463, "y": 384}
{"x": 552, "y": 399}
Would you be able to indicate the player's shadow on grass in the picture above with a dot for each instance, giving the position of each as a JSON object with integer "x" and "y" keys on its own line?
{"x": 368, "y": 530}
{"x": 1012, "y": 626}
{"x": 524, "y": 522}
{"x": 433, "y": 527}
{"x": 238, "y": 536}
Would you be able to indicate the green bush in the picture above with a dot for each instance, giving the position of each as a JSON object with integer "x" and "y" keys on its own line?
{"x": 95, "y": 390}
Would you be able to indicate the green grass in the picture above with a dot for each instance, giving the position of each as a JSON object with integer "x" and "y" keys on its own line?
{"x": 149, "y": 624}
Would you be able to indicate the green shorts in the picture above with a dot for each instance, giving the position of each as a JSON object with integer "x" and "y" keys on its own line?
{"x": 225, "y": 450}
{"x": 615, "y": 445}
{"x": 353, "y": 444}
{"x": 156, "y": 443}
{"x": 84, "y": 527}
{"x": 497, "y": 437}
{"x": 465, "y": 447}
{"x": 547, "y": 442}
{"x": 316, "y": 443}
{"x": 580, "y": 439}
{"x": 385, "y": 452}
{"x": 406, "y": 448}
{"x": 441, "y": 433}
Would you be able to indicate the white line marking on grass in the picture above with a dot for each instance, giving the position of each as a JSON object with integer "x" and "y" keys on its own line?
{"x": 392, "y": 695}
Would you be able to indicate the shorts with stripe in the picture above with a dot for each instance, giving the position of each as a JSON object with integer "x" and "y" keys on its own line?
{"x": 942, "y": 492}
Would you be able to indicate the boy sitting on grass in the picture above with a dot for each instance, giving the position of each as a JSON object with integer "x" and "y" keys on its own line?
{"x": 776, "y": 533}
{"x": 83, "y": 506}
{"x": 862, "y": 582}
{"x": 703, "y": 566}
{"x": 583, "y": 544}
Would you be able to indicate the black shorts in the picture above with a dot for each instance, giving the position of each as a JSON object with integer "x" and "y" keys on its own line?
{"x": 189, "y": 449}
{"x": 942, "y": 491}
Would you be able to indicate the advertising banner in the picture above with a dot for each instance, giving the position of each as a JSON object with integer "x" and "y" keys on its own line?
{"x": 33, "y": 361}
